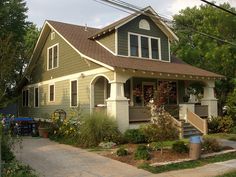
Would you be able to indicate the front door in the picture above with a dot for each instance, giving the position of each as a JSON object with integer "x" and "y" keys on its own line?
{"x": 148, "y": 92}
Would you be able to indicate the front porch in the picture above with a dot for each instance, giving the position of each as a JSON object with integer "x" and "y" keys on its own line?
{"x": 126, "y": 98}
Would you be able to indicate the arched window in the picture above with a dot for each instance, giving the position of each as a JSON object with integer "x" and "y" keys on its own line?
{"x": 143, "y": 24}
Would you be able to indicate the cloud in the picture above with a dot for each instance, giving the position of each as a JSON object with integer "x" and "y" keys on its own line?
{"x": 95, "y": 14}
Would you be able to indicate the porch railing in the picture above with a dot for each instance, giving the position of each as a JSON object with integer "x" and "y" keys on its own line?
{"x": 139, "y": 114}
{"x": 198, "y": 122}
{"x": 201, "y": 110}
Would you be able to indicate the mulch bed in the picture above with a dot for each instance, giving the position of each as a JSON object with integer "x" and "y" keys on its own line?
{"x": 156, "y": 156}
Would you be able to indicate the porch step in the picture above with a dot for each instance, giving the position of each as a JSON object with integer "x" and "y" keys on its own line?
{"x": 189, "y": 130}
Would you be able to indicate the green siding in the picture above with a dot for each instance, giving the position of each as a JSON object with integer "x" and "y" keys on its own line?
{"x": 70, "y": 62}
{"x": 62, "y": 97}
{"x": 108, "y": 41}
{"x": 133, "y": 26}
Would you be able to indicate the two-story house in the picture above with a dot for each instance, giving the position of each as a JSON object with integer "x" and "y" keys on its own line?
{"x": 116, "y": 68}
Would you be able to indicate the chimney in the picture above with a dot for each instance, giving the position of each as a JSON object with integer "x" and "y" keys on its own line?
{"x": 85, "y": 27}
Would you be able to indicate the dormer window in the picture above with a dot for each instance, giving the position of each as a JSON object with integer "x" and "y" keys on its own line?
{"x": 53, "y": 56}
{"x": 134, "y": 45}
{"x": 144, "y": 46}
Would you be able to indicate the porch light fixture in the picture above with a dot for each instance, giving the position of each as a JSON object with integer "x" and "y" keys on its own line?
{"x": 176, "y": 75}
{"x": 152, "y": 73}
{"x": 160, "y": 74}
{"x": 82, "y": 75}
{"x": 134, "y": 71}
{"x": 168, "y": 75}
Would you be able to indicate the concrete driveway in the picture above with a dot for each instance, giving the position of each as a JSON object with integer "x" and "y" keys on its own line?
{"x": 51, "y": 159}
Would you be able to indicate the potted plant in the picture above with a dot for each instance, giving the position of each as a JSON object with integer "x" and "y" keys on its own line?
{"x": 43, "y": 128}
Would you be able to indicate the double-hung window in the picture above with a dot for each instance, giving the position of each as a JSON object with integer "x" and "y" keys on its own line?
{"x": 144, "y": 46}
{"x": 25, "y": 98}
{"x": 52, "y": 93}
{"x": 53, "y": 56}
{"x": 74, "y": 93}
{"x": 134, "y": 45}
{"x": 36, "y": 97}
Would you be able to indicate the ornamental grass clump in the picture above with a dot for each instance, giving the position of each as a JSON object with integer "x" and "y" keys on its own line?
{"x": 142, "y": 153}
{"x": 98, "y": 127}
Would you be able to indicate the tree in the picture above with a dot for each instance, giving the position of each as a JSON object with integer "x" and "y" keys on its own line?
{"x": 17, "y": 38}
{"x": 203, "y": 51}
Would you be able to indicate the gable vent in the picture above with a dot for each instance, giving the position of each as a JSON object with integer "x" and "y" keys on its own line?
{"x": 143, "y": 24}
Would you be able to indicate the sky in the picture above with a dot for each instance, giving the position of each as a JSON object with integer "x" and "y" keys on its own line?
{"x": 94, "y": 14}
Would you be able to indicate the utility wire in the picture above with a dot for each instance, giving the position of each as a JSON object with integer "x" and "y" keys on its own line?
{"x": 219, "y": 7}
{"x": 136, "y": 9}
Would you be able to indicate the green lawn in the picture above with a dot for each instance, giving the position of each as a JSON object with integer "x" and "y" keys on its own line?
{"x": 189, "y": 164}
{"x": 227, "y": 136}
{"x": 229, "y": 174}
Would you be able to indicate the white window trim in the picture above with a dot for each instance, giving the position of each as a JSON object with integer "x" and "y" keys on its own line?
{"x": 71, "y": 92}
{"x": 149, "y": 46}
{"x": 57, "y": 44}
{"x": 38, "y": 97}
{"x": 54, "y": 88}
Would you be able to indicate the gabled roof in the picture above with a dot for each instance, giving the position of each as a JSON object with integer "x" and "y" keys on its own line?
{"x": 148, "y": 11}
{"x": 78, "y": 38}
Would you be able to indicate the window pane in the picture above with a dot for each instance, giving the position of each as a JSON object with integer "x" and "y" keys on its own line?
{"x": 50, "y": 59}
{"x": 51, "y": 93}
{"x": 74, "y": 93}
{"x": 134, "y": 45}
{"x": 55, "y": 57}
{"x": 36, "y": 97}
{"x": 144, "y": 47}
{"x": 155, "y": 52}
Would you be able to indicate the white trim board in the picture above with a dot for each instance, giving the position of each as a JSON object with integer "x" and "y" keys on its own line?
{"x": 69, "y": 77}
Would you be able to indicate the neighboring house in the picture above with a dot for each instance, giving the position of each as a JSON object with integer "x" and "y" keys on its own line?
{"x": 115, "y": 68}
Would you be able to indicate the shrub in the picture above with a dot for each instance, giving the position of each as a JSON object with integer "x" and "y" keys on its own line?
{"x": 97, "y": 128}
{"x": 134, "y": 136}
{"x": 211, "y": 145}
{"x": 220, "y": 124}
{"x": 142, "y": 153}
{"x": 66, "y": 130}
{"x": 180, "y": 147}
{"x": 233, "y": 130}
{"x": 155, "y": 146}
{"x": 121, "y": 152}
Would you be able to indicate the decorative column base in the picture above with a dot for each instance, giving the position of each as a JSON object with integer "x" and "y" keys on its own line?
{"x": 183, "y": 110}
{"x": 212, "y": 106}
{"x": 119, "y": 109}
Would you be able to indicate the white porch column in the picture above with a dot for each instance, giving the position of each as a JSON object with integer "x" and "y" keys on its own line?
{"x": 183, "y": 109}
{"x": 117, "y": 103}
{"x": 209, "y": 99}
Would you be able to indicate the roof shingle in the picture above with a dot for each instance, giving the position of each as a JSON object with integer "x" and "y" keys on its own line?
{"x": 79, "y": 38}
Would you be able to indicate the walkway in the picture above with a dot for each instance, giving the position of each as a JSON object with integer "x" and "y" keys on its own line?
{"x": 51, "y": 159}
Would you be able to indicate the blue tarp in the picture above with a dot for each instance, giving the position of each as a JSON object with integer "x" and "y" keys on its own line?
{"x": 18, "y": 119}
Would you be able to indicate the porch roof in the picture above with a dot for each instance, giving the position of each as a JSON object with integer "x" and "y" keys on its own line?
{"x": 78, "y": 37}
